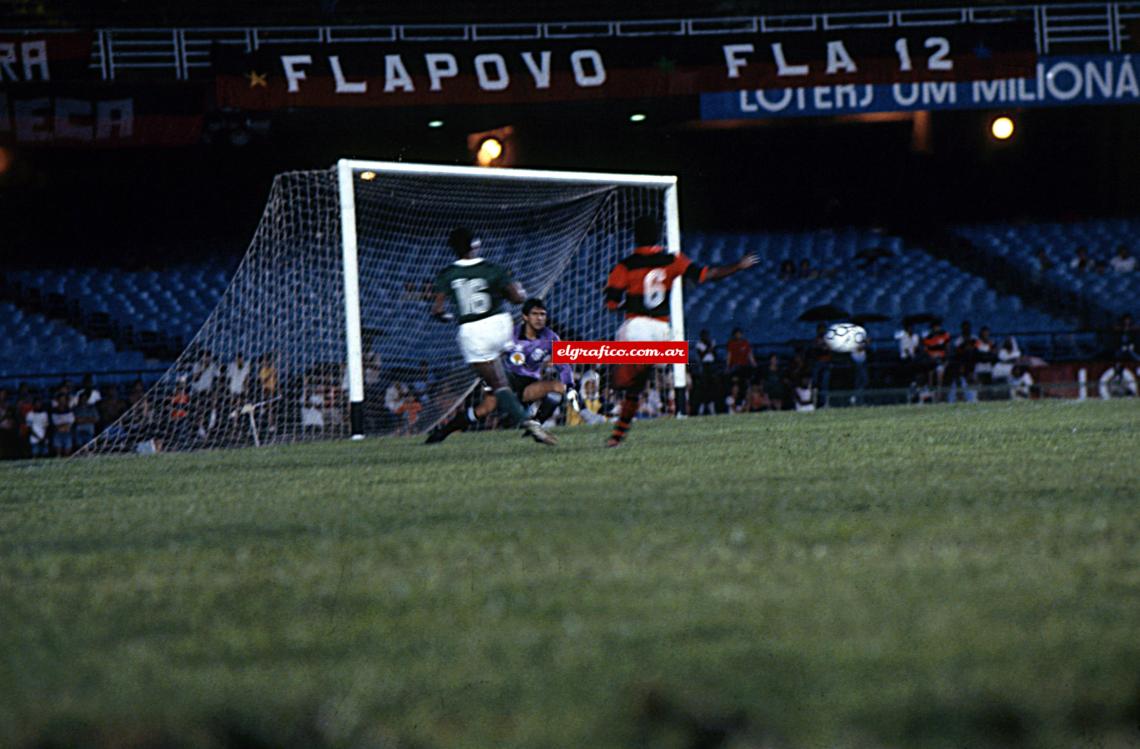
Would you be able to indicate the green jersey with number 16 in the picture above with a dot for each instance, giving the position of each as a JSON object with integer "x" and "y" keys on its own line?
{"x": 476, "y": 286}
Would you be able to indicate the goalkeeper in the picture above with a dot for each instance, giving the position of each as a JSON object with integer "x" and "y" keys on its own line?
{"x": 478, "y": 289}
{"x": 526, "y": 358}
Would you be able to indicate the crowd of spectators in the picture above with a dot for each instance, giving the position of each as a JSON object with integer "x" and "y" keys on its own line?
{"x": 38, "y": 422}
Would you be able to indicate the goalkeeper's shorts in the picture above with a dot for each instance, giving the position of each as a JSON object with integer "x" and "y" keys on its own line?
{"x": 485, "y": 340}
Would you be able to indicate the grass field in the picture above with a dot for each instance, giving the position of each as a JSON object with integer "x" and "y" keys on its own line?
{"x": 958, "y": 576}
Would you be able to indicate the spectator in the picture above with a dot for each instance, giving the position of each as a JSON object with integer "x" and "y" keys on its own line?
{"x": 86, "y": 418}
{"x": 1007, "y": 358}
{"x": 204, "y": 374}
{"x": 806, "y": 271}
{"x": 10, "y": 447}
{"x": 267, "y": 383}
{"x": 707, "y": 382}
{"x": 859, "y": 361}
{"x": 741, "y": 363}
{"x": 758, "y": 399}
{"x": 734, "y": 402}
{"x": 650, "y": 407}
{"x": 25, "y": 402}
{"x": 178, "y": 413}
{"x": 38, "y": 420}
{"x": 774, "y": 386}
{"x": 421, "y": 386}
{"x": 821, "y": 365}
{"x": 237, "y": 379}
{"x": 1117, "y": 382}
{"x": 401, "y": 403}
{"x": 62, "y": 422}
{"x": 804, "y": 395}
{"x": 908, "y": 343}
{"x": 985, "y": 353}
{"x": 787, "y": 270}
{"x": 112, "y": 407}
{"x": 1124, "y": 339}
{"x": 312, "y": 408}
{"x": 1041, "y": 264}
{"x": 1021, "y": 383}
{"x": 1081, "y": 262}
{"x": 1123, "y": 262}
{"x": 962, "y": 365}
{"x": 936, "y": 349}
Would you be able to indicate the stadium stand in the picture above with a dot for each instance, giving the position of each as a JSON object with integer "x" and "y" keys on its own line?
{"x": 1099, "y": 287}
{"x": 32, "y": 344}
{"x": 861, "y": 270}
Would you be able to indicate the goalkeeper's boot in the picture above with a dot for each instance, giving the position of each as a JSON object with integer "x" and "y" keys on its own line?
{"x": 533, "y": 429}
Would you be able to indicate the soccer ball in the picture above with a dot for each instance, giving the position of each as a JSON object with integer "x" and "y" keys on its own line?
{"x": 845, "y": 337}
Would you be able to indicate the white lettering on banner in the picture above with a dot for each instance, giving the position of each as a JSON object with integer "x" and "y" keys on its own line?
{"x": 65, "y": 126}
{"x": 501, "y": 80}
{"x": 33, "y": 58}
{"x": 440, "y": 65}
{"x": 732, "y": 59}
{"x": 114, "y": 117}
{"x": 492, "y": 71}
{"x": 292, "y": 75}
{"x": 343, "y": 86}
{"x": 45, "y": 119}
{"x": 31, "y": 117}
{"x": 597, "y": 77}
{"x": 929, "y": 92}
{"x": 846, "y": 97}
{"x": 838, "y": 60}
{"x": 1054, "y": 81}
{"x": 396, "y": 75}
{"x": 541, "y": 71}
{"x": 782, "y": 66}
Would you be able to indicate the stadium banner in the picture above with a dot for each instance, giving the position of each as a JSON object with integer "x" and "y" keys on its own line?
{"x": 439, "y": 69}
{"x": 1057, "y": 80}
{"x": 619, "y": 352}
{"x": 102, "y": 116}
{"x": 41, "y": 57}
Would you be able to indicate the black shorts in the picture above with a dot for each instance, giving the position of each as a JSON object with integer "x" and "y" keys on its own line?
{"x": 519, "y": 383}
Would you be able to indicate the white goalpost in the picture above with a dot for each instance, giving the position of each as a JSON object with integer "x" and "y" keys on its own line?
{"x": 328, "y": 309}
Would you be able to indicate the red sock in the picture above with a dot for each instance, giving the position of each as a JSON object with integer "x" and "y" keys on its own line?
{"x": 628, "y": 411}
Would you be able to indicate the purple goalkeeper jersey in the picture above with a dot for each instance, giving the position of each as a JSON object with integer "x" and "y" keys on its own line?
{"x": 527, "y": 358}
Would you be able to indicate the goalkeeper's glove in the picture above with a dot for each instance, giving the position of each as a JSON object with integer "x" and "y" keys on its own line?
{"x": 444, "y": 317}
{"x": 572, "y": 399}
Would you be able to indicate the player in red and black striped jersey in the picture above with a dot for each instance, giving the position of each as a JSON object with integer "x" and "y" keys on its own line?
{"x": 640, "y": 285}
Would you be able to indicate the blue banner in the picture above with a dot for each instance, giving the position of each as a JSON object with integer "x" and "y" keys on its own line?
{"x": 1066, "y": 80}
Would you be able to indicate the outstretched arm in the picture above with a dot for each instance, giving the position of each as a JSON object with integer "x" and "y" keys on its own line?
{"x": 438, "y": 305}
{"x": 515, "y": 293}
{"x": 724, "y": 271}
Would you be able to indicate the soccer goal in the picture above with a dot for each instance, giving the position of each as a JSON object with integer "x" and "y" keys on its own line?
{"x": 324, "y": 330}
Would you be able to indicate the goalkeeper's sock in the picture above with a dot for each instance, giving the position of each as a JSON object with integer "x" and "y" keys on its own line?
{"x": 508, "y": 405}
{"x": 628, "y": 411}
{"x": 547, "y": 407}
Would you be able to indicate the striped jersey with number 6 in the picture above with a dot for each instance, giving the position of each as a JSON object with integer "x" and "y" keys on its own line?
{"x": 476, "y": 288}
{"x": 645, "y": 280}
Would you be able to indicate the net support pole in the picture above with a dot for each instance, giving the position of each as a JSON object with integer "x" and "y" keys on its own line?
{"x": 676, "y": 301}
{"x": 354, "y": 347}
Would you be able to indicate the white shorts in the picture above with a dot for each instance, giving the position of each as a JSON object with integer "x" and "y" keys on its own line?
{"x": 486, "y": 339}
{"x": 644, "y": 329}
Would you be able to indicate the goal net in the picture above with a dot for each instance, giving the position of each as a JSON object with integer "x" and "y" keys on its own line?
{"x": 324, "y": 330}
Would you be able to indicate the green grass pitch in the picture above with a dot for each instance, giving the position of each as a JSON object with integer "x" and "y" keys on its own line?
{"x": 950, "y": 576}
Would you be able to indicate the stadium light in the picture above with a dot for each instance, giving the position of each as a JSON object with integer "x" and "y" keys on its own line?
{"x": 435, "y": 123}
{"x": 368, "y": 176}
{"x": 489, "y": 150}
{"x": 1001, "y": 128}
{"x": 637, "y": 117}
